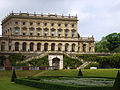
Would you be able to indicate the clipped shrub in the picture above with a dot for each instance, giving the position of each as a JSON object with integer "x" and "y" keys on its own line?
{"x": 42, "y": 61}
{"x": 92, "y": 65}
{"x": 22, "y": 64}
{"x": 57, "y": 86}
{"x": 116, "y": 85}
{"x": 80, "y": 73}
{"x": 13, "y": 78}
{"x": 72, "y": 63}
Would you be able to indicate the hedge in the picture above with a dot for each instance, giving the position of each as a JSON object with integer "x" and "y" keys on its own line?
{"x": 56, "y": 86}
{"x": 92, "y": 65}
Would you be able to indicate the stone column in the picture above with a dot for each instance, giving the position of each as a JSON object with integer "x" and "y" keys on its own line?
{"x": 56, "y": 47}
{"x": 42, "y": 46}
{"x": 12, "y": 46}
{"x": 69, "y": 47}
{"x": 35, "y": 25}
{"x": 87, "y": 47}
{"x": 6, "y": 46}
{"x": 20, "y": 29}
{"x": 35, "y": 46}
{"x": 93, "y": 47}
{"x": 28, "y": 46}
{"x": 20, "y": 46}
{"x": 61, "y": 62}
{"x": 76, "y": 47}
{"x": 63, "y": 32}
{"x": 81, "y": 47}
{"x": 49, "y": 29}
{"x": 49, "y": 46}
{"x": 63, "y": 47}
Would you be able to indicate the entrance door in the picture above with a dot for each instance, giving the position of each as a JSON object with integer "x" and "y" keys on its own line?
{"x": 56, "y": 62}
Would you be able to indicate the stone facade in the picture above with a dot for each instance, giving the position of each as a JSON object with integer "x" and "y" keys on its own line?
{"x": 24, "y": 32}
{"x": 37, "y": 33}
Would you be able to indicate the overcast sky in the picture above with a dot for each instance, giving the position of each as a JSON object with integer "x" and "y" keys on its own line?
{"x": 96, "y": 17}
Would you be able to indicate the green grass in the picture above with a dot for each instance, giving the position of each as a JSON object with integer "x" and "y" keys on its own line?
{"x": 6, "y": 84}
{"x": 109, "y": 73}
{"x": 5, "y": 76}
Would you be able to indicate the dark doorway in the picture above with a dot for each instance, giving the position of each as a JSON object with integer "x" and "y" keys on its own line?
{"x": 56, "y": 62}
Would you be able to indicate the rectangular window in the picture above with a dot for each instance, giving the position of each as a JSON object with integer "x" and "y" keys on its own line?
{"x": 24, "y": 32}
{"x": 59, "y": 33}
{"x": 38, "y": 32}
{"x": 52, "y": 33}
{"x": 23, "y": 23}
{"x": 45, "y": 33}
{"x": 38, "y": 23}
{"x": 16, "y": 31}
{"x": 31, "y": 23}
{"x": 45, "y": 24}
{"x": 66, "y": 33}
{"x": 73, "y": 33}
{"x": 31, "y": 32}
{"x": 16, "y": 23}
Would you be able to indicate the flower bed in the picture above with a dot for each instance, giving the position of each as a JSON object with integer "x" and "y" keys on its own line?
{"x": 68, "y": 83}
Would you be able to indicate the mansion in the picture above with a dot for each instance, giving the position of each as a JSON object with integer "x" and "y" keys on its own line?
{"x": 39, "y": 33}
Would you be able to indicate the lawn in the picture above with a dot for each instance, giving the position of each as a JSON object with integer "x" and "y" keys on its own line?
{"x": 5, "y": 76}
{"x": 109, "y": 73}
{"x": 5, "y": 83}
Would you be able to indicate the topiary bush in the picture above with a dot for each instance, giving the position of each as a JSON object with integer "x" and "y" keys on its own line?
{"x": 92, "y": 65}
{"x": 22, "y": 64}
{"x": 80, "y": 73}
{"x": 13, "y": 78}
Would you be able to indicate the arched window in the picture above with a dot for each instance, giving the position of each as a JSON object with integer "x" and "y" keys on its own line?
{"x": 17, "y": 46}
{"x": 73, "y": 47}
{"x": 46, "y": 47}
{"x": 38, "y": 46}
{"x": 59, "y": 47}
{"x": 84, "y": 47}
{"x": 31, "y": 46}
{"x": 24, "y": 46}
{"x": 66, "y": 47}
{"x": 53, "y": 47}
{"x": 2, "y": 46}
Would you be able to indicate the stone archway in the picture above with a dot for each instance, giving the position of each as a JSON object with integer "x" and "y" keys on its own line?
{"x": 56, "y": 62}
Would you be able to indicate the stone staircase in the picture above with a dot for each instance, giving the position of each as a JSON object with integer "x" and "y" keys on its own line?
{"x": 34, "y": 55}
{"x": 83, "y": 65}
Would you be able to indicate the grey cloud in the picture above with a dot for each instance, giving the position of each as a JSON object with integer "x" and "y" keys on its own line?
{"x": 96, "y": 17}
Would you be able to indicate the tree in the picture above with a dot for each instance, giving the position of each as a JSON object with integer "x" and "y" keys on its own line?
{"x": 2, "y": 60}
{"x": 101, "y": 46}
{"x": 15, "y": 58}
